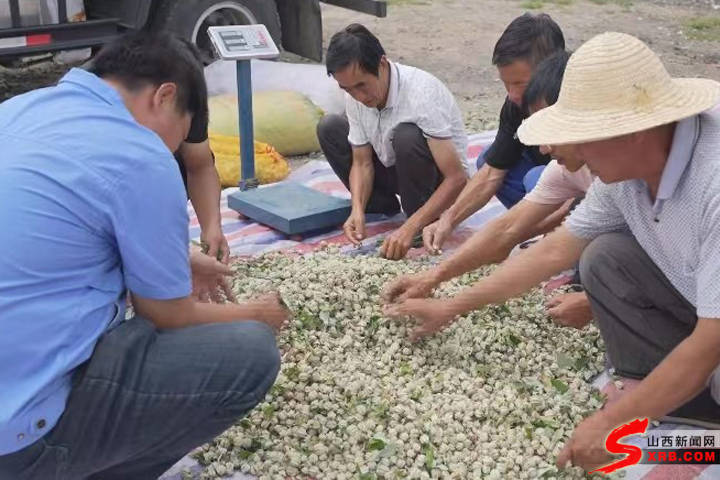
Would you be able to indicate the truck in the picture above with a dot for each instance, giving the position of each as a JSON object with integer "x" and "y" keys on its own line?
{"x": 33, "y": 27}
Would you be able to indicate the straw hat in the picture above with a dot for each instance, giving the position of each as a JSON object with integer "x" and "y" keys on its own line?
{"x": 615, "y": 85}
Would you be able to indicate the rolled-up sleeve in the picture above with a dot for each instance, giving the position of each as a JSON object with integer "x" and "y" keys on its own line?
{"x": 357, "y": 136}
{"x": 708, "y": 270}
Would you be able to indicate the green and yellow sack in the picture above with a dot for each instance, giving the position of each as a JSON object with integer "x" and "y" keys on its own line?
{"x": 286, "y": 120}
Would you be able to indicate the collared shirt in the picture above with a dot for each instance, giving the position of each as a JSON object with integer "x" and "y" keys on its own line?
{"x": 557, "y": 184}
{"x": 414, "y": 96}
{"x": 91, "y": 204}
{"x": 684, "y": 141}
{"x": 680, "y": 230}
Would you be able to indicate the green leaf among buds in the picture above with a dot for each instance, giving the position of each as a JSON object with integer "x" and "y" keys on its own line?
{"x": 376, "y": 443}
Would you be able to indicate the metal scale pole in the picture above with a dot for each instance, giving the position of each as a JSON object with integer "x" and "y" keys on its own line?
{"x": 245, "y": 122}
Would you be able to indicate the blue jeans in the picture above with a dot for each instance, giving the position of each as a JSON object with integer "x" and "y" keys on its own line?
{"x": 518, "y": 181}
{"x": 147, "y": 397}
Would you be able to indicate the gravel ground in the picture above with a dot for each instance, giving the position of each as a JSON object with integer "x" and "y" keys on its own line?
{"x": 472, "y": 26}
{"x": 713, "y": 4}
{"x": 464, "y": 61}
{"x": 14, "y": 81}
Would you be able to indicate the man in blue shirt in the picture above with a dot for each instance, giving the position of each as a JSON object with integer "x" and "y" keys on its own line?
{"x": 92, "y": 205}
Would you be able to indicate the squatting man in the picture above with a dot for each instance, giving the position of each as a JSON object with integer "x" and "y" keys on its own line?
{"x": 403, "y": 134}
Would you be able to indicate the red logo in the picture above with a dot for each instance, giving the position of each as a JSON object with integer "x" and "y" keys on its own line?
{"x": 613, "y": 445}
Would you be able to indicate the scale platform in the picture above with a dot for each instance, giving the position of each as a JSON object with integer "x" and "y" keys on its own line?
{"x": 290, "y": 207}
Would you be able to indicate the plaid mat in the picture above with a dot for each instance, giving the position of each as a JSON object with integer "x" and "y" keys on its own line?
{"x": 247, "y": 238}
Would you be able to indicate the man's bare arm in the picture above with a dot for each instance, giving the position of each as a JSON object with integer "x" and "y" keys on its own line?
{"x": 362, "y": 174}
{"x": 185, "y": 312}
{"x": 494, "y": 242}
{"x": 477, "y": 193}
{"x": 554, "y": 219}
{"x": 676, "y": 380}
{"x": 203, "y": 183}
{"x": 557, "y": 252}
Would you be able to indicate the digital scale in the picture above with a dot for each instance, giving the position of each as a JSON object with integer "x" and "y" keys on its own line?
{"x": 286, "y": 206}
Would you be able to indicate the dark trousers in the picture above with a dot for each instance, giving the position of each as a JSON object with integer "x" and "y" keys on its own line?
{"x": 415, "y": 175}
{"x": 641, "y": 316}
{"x": 147, "y": 397}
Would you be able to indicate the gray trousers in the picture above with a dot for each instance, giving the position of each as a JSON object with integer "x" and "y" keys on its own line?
{"x": 147, "y": 397}
{"x": 641, "y": 316}
{"x": 415, "y": 175}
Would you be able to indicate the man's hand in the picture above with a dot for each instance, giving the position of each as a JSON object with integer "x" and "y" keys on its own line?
{"x": 203, "y": 188}
{"x": 586, "y": 447}
{"x": 272, "y": 310}
{"x": 209, "y": 278}
{"x": 397, "y": 244}
{"x": 217, "y": 244}
{"x": 432, "y": 315}
{"x": 570, "y": 310}
{"x": 419, "y": 285}
{"x": 354, "y": 227}
{"x": 435, "y": 234}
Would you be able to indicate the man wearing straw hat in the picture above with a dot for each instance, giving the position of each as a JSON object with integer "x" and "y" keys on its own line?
{"x": 647, "y": 235}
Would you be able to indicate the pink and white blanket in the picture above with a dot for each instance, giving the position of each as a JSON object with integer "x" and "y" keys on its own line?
{"x": 247, "y": 238}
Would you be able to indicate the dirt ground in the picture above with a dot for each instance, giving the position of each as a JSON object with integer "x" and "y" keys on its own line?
{"x": 453, "y": 39}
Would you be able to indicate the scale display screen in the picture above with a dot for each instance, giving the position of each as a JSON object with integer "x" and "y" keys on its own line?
{"x": 242, "y": 42}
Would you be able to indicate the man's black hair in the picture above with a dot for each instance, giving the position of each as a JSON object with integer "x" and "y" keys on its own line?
{"x": 531, "y": 38}
{"x": 354, "y": 44}
{"x": 546, "y": 81}
{"x": 142, "y": 58}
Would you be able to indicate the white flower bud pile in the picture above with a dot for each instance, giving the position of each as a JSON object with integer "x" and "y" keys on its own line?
{"x": 494, "y": 396}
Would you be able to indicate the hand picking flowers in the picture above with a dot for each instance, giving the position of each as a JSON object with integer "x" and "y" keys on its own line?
{"x": 494, "y": 396}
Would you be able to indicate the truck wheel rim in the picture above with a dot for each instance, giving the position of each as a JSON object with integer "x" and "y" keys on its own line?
{"x": 222, "y": 13}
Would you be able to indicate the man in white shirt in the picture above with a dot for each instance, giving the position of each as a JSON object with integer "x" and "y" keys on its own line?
{"x": 403, "y": 135}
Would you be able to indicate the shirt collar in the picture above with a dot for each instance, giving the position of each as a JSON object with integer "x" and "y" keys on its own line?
{"x": 686, "y": 135}
{"x": 393, "y": 93}
{"x": 94, "y": 84}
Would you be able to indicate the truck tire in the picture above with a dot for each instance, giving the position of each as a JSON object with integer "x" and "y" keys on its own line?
{"x": 190, "y": 19}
